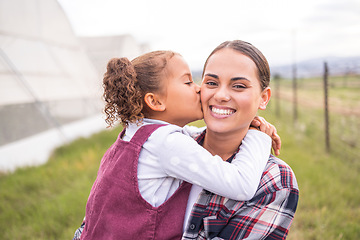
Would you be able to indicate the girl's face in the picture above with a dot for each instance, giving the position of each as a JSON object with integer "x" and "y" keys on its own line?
{"x": 182, "y": 94}
{"x": 231, "y": 92}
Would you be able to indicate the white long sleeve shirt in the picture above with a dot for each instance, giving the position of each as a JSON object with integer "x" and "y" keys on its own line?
{"x": 170, "y": 156}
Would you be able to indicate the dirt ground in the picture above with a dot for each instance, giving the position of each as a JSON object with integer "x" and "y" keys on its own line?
{"x": 335, "y": 104}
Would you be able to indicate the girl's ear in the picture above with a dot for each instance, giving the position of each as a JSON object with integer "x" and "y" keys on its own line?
{"x": 265, "y": 97}
{"x": 154, "y": 102}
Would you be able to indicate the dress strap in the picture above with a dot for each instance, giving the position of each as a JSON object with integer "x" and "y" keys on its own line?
{"x": 144, "y": 132}
{"x": 121, "y": 135}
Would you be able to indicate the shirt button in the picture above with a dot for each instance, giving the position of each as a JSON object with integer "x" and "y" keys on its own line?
{"x": 192, "y": 226}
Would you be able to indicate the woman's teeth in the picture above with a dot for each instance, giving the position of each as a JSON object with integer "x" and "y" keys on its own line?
{"x": 222, "y": 111}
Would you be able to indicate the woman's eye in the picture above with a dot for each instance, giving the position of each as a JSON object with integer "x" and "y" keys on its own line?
{"x": 239, "y": 86}
{"x": 188, "y": 83}
{"x": 211, "y": 83}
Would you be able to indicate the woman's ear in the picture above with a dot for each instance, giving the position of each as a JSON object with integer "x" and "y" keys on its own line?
{"x": 265, "y": 97}
{"x": 154, "y": 102}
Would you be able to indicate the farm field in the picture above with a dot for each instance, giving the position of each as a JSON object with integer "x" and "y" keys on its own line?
{"x": 344, "y": 95}
{"x": 329, "y": 205}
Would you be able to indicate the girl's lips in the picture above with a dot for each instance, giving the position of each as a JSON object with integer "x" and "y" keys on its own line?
{"x": 221, "y": 111}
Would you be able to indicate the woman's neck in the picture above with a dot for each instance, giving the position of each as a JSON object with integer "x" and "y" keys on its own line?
{"x": 223, "y": 144}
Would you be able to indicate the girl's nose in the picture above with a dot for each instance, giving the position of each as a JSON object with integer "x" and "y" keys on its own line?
{"x": 197, "y": 88}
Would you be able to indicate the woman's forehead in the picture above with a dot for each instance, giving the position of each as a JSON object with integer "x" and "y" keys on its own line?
{"x": 230, "y": 61}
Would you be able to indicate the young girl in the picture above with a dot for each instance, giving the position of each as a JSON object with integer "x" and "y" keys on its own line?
{"x": 139, "y": 191}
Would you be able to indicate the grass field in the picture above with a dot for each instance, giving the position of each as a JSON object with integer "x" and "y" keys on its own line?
{"x": 48, "y": 202}
{"x": 329, "y": 206}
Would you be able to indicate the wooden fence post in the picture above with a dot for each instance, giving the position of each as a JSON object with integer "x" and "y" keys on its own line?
{"x": 326, "y": 110}
{"x": 295, "y": 113}
{"x": 277, "y": 94}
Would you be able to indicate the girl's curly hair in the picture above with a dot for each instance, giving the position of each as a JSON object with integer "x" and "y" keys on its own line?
{"x": 126, "y": 83}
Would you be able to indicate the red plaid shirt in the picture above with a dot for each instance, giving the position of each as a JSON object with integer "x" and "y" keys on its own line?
{"x": 268, "y": 215}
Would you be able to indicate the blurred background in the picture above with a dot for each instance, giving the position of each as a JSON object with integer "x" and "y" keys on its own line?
{"x": 53, "y": 54}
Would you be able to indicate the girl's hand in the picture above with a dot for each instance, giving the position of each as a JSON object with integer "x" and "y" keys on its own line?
{"x": 262, "y": 125}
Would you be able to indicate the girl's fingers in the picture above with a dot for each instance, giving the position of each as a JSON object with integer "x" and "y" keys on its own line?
{"x": 255, "y": 123}
{"x": 263, "y": 125}
{"x": 270, "y": 130}
{"x": 276, "y": 151}
{"x": 276, "y": 143}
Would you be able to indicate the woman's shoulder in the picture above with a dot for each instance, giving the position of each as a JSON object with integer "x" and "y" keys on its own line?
{"x": 279, "y": 173}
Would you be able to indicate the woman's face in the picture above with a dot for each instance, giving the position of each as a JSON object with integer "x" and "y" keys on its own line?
{"x": 231, "y": 92}
{"x": 182, "y": 94}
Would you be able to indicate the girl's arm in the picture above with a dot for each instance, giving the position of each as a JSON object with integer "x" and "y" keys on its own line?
{"x": 193, "y": 131}
{"x": 181, "y": 157}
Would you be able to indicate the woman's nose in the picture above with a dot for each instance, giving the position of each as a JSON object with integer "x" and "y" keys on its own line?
{"x": 222, "y": 94}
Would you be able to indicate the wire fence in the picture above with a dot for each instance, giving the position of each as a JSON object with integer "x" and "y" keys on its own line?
{"x": 324, "y": 110}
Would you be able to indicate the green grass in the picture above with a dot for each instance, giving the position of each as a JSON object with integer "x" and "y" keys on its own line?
{"x": 329, "y": 205}
{"x": 48, "y": 202}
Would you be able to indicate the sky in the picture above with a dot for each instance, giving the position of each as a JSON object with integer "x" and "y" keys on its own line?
{"x": 286, "y": 31}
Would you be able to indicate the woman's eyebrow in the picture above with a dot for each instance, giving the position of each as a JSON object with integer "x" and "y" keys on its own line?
{"x": 239, "y": 78}
{"x": 232, "y": 79}
{"x": 212, "y": 75}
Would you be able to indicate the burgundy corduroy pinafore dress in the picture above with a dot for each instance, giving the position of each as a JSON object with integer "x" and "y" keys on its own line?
{"x": 116, "y": 209}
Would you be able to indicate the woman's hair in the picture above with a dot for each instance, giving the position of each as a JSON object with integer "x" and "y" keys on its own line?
{"x": 253, "y": 53}
{"x": 126, "y": 83}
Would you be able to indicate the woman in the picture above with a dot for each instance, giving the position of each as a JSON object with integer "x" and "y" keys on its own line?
{"x": 235, "y": 85}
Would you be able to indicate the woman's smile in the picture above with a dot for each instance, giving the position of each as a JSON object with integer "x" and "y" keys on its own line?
{"x": 221, "y": 111}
